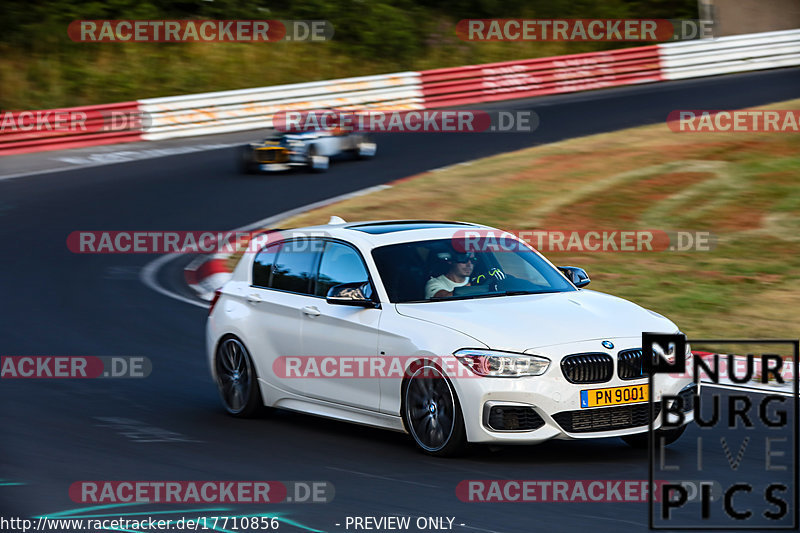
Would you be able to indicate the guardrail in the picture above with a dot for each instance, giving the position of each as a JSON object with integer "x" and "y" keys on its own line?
{"x": 222, "y": 112}
{"x": 535, "y": 77}
{"x": 73, "y": 127}
{"x": 580, "y": 72}
{"x": 726, "y": 55}
{"x": 249, "y": 109}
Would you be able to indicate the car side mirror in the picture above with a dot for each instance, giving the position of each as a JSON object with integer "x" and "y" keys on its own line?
{"x": 577, "y": 276}
{"x": 358, "y": 294}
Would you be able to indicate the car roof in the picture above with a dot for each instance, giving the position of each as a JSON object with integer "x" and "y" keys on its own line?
{"x": 392, "y": 226}
{"x": 381, "y": 232}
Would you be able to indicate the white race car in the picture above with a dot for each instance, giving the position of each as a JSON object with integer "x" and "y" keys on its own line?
{"x": 313, "y": 149}
{"x": 398, "y": 324}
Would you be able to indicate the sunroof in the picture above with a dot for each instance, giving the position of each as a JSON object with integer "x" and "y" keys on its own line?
{"x": 393, "y": 226}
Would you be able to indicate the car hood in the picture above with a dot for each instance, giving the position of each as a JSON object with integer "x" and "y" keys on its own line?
{"x": 524, "y": 322}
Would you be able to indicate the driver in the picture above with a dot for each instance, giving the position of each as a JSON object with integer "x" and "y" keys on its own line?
{"x": 460, "y": 266}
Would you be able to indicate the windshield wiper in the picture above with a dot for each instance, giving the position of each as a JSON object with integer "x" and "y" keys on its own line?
{"x": 516, "y": 293}
{"x": 477, "y": 296}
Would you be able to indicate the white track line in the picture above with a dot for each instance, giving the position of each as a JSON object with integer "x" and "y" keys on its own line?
{"x": 130, "y": 155}
{"x": 149, "y": 273}
{"x": 149, "y": 276}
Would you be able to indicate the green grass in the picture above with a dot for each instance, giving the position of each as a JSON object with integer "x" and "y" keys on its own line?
{"x": 72, "y": 74}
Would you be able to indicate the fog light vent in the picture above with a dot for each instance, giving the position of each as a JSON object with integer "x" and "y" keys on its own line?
{"x": 513, "y": 418}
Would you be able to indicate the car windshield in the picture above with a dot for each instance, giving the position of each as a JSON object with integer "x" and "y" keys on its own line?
{"x": 443, "y": 269}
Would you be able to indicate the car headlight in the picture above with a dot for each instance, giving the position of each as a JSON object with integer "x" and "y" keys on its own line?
{"x": 490, "y": 363}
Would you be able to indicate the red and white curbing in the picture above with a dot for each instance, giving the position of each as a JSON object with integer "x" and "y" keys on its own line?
{"x": 207, "y": 273}
{"x": 204, "y": 274}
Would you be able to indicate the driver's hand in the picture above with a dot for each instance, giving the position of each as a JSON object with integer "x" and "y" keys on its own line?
{"x": 494, "y": 274}
{"x": 497, "y": 274}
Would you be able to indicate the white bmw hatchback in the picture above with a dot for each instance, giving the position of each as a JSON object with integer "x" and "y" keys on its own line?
{"x": 416, "y": 326}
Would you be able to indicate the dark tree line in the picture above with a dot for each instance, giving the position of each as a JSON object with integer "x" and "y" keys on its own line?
{"x": 393, "y": 28}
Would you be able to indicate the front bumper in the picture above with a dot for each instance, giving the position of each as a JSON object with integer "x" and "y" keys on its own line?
{"x": 280, "y": 167}
{"x": 273, "y": 167}
{"x": 277, "y": 159}
{"x": 504, "y": 410}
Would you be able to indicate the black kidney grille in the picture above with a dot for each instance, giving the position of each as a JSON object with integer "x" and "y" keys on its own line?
{"x": 606, "y": 418}
{"x": 629, "y": 364}
{"x": 509, "y": 418}
{"x": 588, "y": 367}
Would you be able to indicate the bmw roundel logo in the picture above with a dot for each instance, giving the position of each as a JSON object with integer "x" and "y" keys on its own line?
{"x": 608, "y": 344}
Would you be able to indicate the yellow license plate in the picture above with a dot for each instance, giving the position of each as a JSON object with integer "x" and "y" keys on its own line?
{"x": 614, "y": 396}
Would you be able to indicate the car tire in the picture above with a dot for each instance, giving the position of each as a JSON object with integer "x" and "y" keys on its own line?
{"x": 432, "y": 413}
{"x": 237, "y": 380}
{"x": 246, "y": 165}
{"x": 639, "y": 440}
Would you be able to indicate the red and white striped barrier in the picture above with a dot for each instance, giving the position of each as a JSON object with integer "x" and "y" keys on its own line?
{"x": 73, "y": 127}
{"x": 492, "y": 82}
{"x": 204, "y": 275}
{"x": 249, "y": 109}
{"x": 223, "y": 112}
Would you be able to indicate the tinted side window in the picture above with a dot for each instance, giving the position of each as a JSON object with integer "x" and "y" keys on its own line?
{"x": 262, "y": 266}
{"x": 295, "y": 265}
{"x": 340, "y": 264}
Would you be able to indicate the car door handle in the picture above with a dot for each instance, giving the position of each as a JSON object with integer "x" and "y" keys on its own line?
{"x": 254, "y": 299}
{"x": 310, "y": 310}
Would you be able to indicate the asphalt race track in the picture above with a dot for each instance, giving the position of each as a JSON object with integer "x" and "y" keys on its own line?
{"x": 171, "y": 426}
